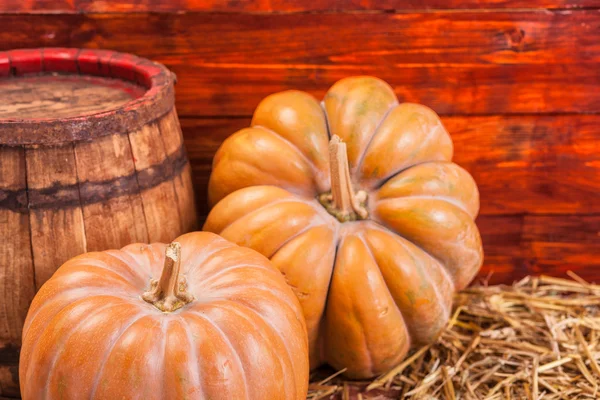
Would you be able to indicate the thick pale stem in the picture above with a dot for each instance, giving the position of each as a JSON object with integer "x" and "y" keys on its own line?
{"x": 341, "y": 187}
{"x": 169, "y": 292}
{"x": 344, "y": 203}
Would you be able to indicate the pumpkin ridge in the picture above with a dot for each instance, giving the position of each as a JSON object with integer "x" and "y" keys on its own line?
{"x": 194, "y": 354}
{"x": 382, "y": 182}
{"x": 240, "y": 161}
{"x": 103, "y": 271}
{"x": 295, "y": 235}
{"x": 324, "y": 316}
{"x": 264, "y": 289}
{"x": 443, "y": 266}
{"x": 335, "y": 240}
{"x": 269, "y": 326}
{"x": 360, "y": 237}
{"x": 346, "y": 92}
{"x": 199, "y": 263}
{"x": 368, "y": 144}
{"x": 134, "y": 272}
{"x": 217, "y": 329}
{"x": 117, "y": 255}
{"x": 433, "y": 179}
{"x": 424, "y": 143}
{"x": 25, "y": 363}
{"x": 164, "y": 323}
{"x": 109, "y": 349}
{"x": 317, "y": 175}
{"x": 472, "y": 228}
{"x": 396, "y": 173}
{"x": 419, "y": 147}
{"x": 84, "y": 293}
{"x": 62, "y": 342}
{"x": 440, "y": 265}
{"x": 261, "y": 196}
{"x": 319, "y": 219}
{"x": 323, "y": 269}
{"x": 233, "y": 268}
{"x": 293, "y": 199}
{"x": 447, "y": 199}
{"x": 320, "y": 338}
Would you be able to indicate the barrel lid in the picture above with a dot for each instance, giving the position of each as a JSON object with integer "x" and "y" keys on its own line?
{"x": 60, "y": 95}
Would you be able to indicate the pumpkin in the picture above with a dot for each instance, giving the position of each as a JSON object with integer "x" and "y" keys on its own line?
{"x": 358, "y": 204}
{"x": 217, "y": 322}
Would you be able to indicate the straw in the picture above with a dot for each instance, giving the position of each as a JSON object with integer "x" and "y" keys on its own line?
{"x": 536, "y": 339}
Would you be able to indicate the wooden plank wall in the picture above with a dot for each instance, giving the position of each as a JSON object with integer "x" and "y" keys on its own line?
{"x": 517, "y": 83}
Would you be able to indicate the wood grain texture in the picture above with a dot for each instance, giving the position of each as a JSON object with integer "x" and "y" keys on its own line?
{"x": 57, "y": 233}
{"x": 161, "y": 209}
{"x": 278, "y": 6}
{"x": 16, "y": 264}
{"x": 531, "y": 164}
{"x": 62, "y": 96}
{"x": 172, "y": 138}
{"x": 120, "y": 217}
{"x": 149, "y": 83}
{"x": 521, "y": 245}
{"x": 522, "y": 164}
{"x": 498, "y": 62}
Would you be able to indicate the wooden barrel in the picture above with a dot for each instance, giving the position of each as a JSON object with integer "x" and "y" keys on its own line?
{"x": 91, "y": 158}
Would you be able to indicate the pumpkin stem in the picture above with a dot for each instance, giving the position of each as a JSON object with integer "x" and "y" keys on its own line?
{"x": 342, "y": 202}
{"x": 169, "y": 292}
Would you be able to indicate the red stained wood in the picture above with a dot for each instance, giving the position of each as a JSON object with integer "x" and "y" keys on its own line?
{"x": 279, "y": 6}
{"x": 458, "y": 63}
{"x": 531, "y": 164}
{"x": 466, "y": 90}
{"x": 517, "y": 246}
{"x": 466, "y": 37}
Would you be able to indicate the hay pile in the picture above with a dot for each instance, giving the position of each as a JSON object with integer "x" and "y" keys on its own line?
{"x": 537, "y": 339}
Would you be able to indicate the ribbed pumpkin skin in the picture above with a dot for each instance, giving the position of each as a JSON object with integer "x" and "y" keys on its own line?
{"x": 89, "y": 335}
{"x": 369, "y": 289}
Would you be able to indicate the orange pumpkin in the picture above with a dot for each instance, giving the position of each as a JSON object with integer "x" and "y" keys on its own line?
{"x": 227, "y": 328}
{"x": 358, "y": 204}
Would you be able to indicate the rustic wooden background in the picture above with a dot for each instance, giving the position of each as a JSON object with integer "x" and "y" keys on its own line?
{"x": 517, "y": 83}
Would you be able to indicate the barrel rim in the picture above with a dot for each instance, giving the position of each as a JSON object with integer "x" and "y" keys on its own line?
{"x": 157, "y": 100}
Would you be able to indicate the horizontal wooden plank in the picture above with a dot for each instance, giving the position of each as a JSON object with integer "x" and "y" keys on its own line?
{"x": 517, "y": 246}
{"x": 522, "y": 164}
{"x": 470, "y": 37}
{"x": 457, "y": 63}
{"x": 279, "y": 6}
{"x": 531, "y": 164}
{"x": 234, "y": 90}
{"x": 38, "y": 6}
